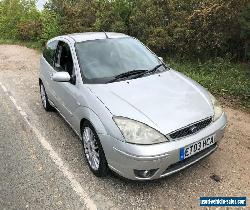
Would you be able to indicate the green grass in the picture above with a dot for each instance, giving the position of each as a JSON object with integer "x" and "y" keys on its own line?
{"x": 221, "y": 77}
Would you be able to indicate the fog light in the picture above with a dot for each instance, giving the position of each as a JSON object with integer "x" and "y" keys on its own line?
{"x": 145, "y": 173}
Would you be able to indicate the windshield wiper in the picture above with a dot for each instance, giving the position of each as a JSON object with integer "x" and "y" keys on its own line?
{"x": 137, "y": 73}
{"x": 153, "y": 70}
{"x": 156, "y": 68}
{"x": 128, "y": 74}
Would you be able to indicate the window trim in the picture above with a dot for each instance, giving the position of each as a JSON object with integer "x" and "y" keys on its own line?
{"x": 51, "y": 61}
{"x": 73, "y": 76}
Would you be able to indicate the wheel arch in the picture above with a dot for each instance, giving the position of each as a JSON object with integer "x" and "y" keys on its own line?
{"x": 83, "y": 120}
{"x": 87, "y": 114}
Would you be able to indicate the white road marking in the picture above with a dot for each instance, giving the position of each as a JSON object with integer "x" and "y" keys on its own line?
{"x": 14, "y": 102}
{"x": 54, "y": 156}
{"x": 4, "y": 88}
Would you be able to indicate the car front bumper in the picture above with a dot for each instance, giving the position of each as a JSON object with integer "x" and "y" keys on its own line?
{"x": 124, "y": 158}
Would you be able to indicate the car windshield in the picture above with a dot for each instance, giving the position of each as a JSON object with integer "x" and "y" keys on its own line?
{"x": 102, "y": 60}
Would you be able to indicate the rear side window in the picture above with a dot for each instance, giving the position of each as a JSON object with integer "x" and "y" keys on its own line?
{"x": 49, "y": 52}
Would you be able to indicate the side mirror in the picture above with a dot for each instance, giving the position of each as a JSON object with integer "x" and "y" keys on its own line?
{"x": 62, "y": 76}
{"x": 161, "y": 59}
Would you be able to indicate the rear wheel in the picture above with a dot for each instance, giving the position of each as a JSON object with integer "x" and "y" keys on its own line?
{"x": 93, "y": 150}
{"x": 44, "y": 98}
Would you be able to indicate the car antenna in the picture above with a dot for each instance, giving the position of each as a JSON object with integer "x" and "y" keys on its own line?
{"x": 105, "y": 34}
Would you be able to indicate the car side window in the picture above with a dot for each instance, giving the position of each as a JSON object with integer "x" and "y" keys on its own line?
{"x": 64, "y": 61}
{"x": 49, "y": 52}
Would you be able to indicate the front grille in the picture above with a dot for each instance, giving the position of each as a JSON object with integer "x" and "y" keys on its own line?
{"x": 189, "y": 161}
{"x": 191, "y": 129}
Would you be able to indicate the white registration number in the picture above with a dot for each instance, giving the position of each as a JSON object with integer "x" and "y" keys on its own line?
{"x": 192, "y": 149}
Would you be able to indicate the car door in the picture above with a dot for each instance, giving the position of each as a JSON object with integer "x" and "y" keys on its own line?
{"x": 66, "y": 92}
{"x": 47, "y": 68}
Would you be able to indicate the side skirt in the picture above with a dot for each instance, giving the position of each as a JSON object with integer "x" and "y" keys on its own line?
{"x": 52, "y": 104}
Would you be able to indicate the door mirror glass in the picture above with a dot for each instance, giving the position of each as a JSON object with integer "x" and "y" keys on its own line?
{"x": 61, "y": 77}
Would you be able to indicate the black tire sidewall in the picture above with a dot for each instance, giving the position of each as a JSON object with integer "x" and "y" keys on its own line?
{"x": 48, "y": 106}
{"x": 103, "y": 166}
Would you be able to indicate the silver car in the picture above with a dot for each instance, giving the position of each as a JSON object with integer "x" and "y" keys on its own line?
{"x": 133, "y": 113}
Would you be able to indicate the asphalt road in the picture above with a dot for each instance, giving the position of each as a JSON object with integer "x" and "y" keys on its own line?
{"x": 42, "y": 164}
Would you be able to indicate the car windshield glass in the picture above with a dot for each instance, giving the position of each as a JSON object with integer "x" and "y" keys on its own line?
{"x": 102, "y": 60}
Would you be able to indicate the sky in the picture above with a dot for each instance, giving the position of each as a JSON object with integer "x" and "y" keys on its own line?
{"x": 40, "y": 4}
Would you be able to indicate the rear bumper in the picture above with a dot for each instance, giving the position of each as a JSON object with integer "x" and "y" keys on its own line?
{"x": 124, "y": 158}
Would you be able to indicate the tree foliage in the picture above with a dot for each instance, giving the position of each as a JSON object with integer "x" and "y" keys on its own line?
{"x": 190, "y": 28}
{"x": 50, "y": 25}
{"x": 245, "y": 30}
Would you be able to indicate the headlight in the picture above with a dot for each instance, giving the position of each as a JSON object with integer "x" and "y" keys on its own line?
{"x": 217, "y": 107}
{"x": 138, "y": 133}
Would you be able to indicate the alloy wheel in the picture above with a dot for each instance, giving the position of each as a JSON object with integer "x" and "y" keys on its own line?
{"x": 43, "y": 96}
{"x": 91, "y": 148}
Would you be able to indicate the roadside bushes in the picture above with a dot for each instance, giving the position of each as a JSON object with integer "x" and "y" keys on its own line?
{"x": 30, "y": 24}
{"x": 191, "y": 29}
{"x": 50, "y": 26}
{"x": 20, "y": 20}
{"x": 245, "y": 31}
{"x": 147, "y": 23}
{"x": 29, "y": 30}
{"x": 214, "y": 29}
{"x": 10, "y": 16}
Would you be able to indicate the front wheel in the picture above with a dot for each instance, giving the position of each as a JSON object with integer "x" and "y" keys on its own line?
{"x": 44, "y": 98}
{"x": 93, "y": 150}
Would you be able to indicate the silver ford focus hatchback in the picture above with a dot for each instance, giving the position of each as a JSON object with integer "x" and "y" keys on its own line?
{"x": 134, "y": 114}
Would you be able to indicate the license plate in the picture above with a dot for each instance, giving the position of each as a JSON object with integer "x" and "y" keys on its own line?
{"x": 198, "y": 146}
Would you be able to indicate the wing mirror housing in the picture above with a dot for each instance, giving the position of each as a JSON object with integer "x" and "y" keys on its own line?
{"x": 61, "y": 76}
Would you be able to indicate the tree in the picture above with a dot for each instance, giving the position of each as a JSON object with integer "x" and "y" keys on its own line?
{"x": 190, "y": 28}
{"x": 50, "y": 25}
{"x": 245, "y": 30}
{"x": 19, "y": 20}
{"x": 11, "y": 12}
{"x": 114, "y": 15}
{"x": 74, "y": 15}
{"x": 213, "y": 29}
{"x": 147, "y": 23}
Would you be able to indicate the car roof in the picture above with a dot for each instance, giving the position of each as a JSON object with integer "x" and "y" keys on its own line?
{"x": 87, "y": 36}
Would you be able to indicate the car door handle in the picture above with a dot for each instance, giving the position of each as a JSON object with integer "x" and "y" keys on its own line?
{"x": 51, "y": 76}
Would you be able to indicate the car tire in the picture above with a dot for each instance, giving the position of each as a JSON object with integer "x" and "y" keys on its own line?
{"x": 93, "y": 150}
{"x": 44, "y": 98}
